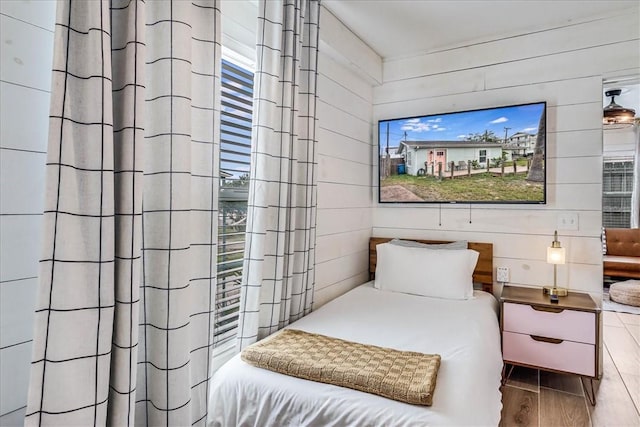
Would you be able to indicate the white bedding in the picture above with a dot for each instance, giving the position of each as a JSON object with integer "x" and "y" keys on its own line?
{"x": 464, "y": 332}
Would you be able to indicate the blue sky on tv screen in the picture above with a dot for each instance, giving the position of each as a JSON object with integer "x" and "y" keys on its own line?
{"x": 457, "y": 126}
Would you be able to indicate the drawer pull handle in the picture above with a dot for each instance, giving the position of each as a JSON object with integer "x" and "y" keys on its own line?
{"x": 545, "y": 339}
{"x": 547, "y": 309}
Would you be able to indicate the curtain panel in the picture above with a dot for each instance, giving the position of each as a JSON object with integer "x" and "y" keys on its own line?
{"x": 124, "y": 316}
{"x": 278, "y": 275}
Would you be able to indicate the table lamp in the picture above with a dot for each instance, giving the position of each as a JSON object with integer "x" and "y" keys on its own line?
{"x": 555, "y": 256}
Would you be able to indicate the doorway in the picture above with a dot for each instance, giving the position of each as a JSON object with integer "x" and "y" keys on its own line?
{"x": 619, "y": 169}
{"x": 621, "y": 319}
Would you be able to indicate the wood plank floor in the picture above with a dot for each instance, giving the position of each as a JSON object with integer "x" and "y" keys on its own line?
{"x": 538, "y": 398}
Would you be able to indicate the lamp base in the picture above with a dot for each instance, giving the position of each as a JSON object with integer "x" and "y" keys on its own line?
{"x": 551, "y": 290}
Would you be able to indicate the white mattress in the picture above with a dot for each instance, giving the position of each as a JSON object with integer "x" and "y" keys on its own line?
{"x": 465, "y": 333}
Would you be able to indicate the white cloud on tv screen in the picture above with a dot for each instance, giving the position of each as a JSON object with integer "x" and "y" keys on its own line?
{"x": 416, "y": 126}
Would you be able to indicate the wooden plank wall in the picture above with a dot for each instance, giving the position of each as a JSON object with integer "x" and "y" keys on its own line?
{"x": 564, "y": 66}
{"x": 25, "y": 83}
{"x": 345, "y": 102}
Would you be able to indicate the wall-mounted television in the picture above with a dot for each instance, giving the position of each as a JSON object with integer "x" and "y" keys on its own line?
{"x": 489, "y": 155}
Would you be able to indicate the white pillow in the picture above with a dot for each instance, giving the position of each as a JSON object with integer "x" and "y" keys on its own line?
{"x": 460, "y": 244}
{"x": 437, "y": 273}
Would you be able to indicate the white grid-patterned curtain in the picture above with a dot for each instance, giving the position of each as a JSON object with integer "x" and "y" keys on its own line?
{"x": 124, "y": 315}
{"x": 278, "y": 275}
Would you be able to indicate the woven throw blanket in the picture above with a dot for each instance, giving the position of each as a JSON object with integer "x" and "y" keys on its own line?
{"x": 406, "y": 376}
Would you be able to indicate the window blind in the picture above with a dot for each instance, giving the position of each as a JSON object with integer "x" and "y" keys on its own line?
{"x": 235, "y": 153}
{"x": 617, "y": 189}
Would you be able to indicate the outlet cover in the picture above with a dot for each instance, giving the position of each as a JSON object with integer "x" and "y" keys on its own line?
{"x": 568, "y": 221}
{"x": 503, "y": 274}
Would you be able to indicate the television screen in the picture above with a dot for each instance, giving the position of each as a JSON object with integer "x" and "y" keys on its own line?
{"x": 491, "y": 155}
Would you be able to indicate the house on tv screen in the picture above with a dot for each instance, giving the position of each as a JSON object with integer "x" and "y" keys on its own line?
{"x": 423, "y": 157}
{"x": 520, "y": 144}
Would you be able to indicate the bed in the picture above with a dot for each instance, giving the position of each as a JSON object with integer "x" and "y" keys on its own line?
{"x": 464, "y": 332}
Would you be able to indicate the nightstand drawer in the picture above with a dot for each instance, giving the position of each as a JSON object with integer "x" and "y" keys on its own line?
{"x": 572, "y": 325}
{"x": 567, "y": 356}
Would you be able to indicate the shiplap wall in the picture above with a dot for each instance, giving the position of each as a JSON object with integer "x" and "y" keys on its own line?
{"x": 26, "y": 34}
{"x": 348, "y": 69}
{"x": 563, "y": 66}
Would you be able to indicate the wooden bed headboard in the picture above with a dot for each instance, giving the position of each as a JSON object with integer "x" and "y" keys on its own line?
{"x": 482, "y": 274}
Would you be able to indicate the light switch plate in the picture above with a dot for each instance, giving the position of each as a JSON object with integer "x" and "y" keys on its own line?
{"x": 568, "y": 221}
{"x": 503, "y": 274}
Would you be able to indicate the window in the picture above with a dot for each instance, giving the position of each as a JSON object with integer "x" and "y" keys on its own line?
{"x": 617, "y": 188}
{"x": 235, "y": 153}
{"x": 440, "y": 153}
{"x": 483, "y": 156}
{"x": 409, "y": 158}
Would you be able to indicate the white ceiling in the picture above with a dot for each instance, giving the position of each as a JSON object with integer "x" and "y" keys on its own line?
{"x": 397, "y": 28}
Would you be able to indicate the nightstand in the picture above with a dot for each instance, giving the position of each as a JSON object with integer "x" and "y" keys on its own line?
{"x": 558, "y": 337}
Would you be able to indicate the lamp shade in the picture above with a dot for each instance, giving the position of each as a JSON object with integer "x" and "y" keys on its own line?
{"x": 555, "y": 255}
